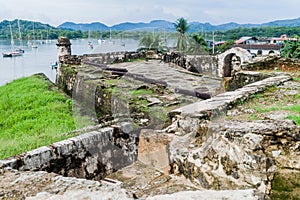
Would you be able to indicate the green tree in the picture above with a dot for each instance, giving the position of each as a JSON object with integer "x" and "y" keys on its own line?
{"x": 227, "y": 45}
{"x": 151, "y": 41}
{"x": 197, "y": 44}
{"x": 291, "y": 49}
{"x": 182, "y": 27}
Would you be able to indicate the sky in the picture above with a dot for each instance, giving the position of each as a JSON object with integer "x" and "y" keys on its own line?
{"x": 55, "y": 12}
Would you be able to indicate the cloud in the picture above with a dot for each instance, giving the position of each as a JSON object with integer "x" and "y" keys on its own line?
{"x": 111, "y": 12}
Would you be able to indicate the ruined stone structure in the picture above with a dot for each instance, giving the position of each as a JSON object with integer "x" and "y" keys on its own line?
{"x": 231, "y": 60}
{"x": 92, "y": 155}
{"x": 63, "y": 46}
{"x": 157, "y": 137}
{"x": 223, "y": 65}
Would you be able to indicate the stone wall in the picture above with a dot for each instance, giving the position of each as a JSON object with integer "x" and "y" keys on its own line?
{"x": 273, "y": 63}
{"x": 201, "y": 64}
{"x": 232, "y": 154}
{"x": 224, "y": 62}
{"x": 113, "y": 57}
{"x": 92, "y": 155}
{"x": 218, "y": 154}
{"x": 223, "y": 102}
{"x": 242, "y": 78}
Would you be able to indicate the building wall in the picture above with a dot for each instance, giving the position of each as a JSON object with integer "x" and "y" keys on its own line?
{"x": 264, "y": 52}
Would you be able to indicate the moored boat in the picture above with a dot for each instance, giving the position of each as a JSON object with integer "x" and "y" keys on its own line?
{"x": 12, "y": 54}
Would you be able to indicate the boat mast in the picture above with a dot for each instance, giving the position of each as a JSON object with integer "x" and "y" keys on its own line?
{"x": 11, "y": 37}
{"x": 20, "y": 36}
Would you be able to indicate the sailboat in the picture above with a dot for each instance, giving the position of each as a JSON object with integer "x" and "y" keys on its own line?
{"x": 34, "y": 45}
{"x": 110, "y": 37}
{"x": 47, "y": 39}
{"x": 12, "y": 53}
{"x": 122, "y": 42}
{"x": 20, "y": 39}
{"x": 90, "y": 44}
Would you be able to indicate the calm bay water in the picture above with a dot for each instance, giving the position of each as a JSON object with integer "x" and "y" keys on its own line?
{"x": 39, "y": 60}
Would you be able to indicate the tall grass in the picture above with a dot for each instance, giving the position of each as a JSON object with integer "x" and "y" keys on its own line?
{"x": 33, "y": 113}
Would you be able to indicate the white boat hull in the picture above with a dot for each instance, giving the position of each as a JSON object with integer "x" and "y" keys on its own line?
{"x": 12, "y": 54}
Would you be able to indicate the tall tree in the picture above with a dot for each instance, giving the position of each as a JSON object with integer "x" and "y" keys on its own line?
{"x": 291, "y": 49}
{"x": 197, "y": 44}
{"x": 182, "y": 27}
{"x": 151, "y": 41}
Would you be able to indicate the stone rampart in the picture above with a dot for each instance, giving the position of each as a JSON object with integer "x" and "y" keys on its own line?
{"x": 113, "y": 57}
{"x": 92, "y": 155}
{"x": 201, "y": 64}
{"x": 242, "y": 78}
{"x": 222, "y": 102}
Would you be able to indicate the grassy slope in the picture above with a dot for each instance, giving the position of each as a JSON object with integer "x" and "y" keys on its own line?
{"x": 33, "y": 113}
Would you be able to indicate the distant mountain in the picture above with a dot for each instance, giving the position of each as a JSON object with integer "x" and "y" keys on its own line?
{"x": 287, "y": 22}
{"x": 169, "y": 26}
{"x": 95, "y": 26}
{"x": 153, "y": 25}
{"x": 126, "y": 26}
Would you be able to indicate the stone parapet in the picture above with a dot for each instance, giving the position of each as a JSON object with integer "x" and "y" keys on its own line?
{"x": 222, "y": 102}
{"x": 92, "y": 155}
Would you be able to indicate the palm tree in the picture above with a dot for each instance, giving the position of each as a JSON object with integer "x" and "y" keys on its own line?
{"x": 197, "y": 44}
{"x": 146, "y": 41}
{"x": 151, "y": 41}
{"x": 182, "y": 27}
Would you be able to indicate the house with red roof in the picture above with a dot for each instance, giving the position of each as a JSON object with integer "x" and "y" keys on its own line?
{"x": 264, "y": 46}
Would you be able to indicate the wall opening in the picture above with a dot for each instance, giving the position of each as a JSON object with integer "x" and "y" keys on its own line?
{"x": 227, "y": 67}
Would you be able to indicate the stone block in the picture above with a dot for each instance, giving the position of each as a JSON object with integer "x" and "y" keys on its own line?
{"x": 64, "y": 148}
{"x": 36, "y": 159}
{"x": 153, "y": 149}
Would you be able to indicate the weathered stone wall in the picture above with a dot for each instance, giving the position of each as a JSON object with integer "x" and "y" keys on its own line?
{"x": 273, "y": 63}
{"x": 92, "y": 155}
{"x": 70, "y": 65}
{"x": 232, "y": 154}
{"x": 218, "y": 154}
{"x": 203, "y": 64}
{"x": 66, "y": 77}
{"x": 243, "y": 54}
{"x": 242, "y": 78}
{"x": 222, "y": 102}
{"x": 113, "y": 57}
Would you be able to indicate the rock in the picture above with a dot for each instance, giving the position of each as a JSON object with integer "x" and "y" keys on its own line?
{"x": 144, "y": 121}
{"x": 50, "y": 186}
{"x": 153, "y": 101}
{"x": 209, "y": 194}
{"x": 275, "y": 115}
{"x": 153, "y": 150}
{"x": 276, "y": 153}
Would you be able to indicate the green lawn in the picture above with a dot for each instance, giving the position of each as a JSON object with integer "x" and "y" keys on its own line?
{"x": 33, "y": 113}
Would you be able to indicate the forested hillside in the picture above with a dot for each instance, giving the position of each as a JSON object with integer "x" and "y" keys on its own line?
{"x": 39, "y": 30}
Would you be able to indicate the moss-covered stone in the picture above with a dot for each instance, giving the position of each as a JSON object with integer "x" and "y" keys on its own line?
{"x": 66, "y": 78}
{"x": 286, "y": 185}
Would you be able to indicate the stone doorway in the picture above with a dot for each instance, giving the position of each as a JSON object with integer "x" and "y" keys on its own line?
{"x": 231, "y": 62}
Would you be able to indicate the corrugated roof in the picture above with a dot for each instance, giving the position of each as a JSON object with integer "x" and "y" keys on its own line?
{"x": 243, "y": 39}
